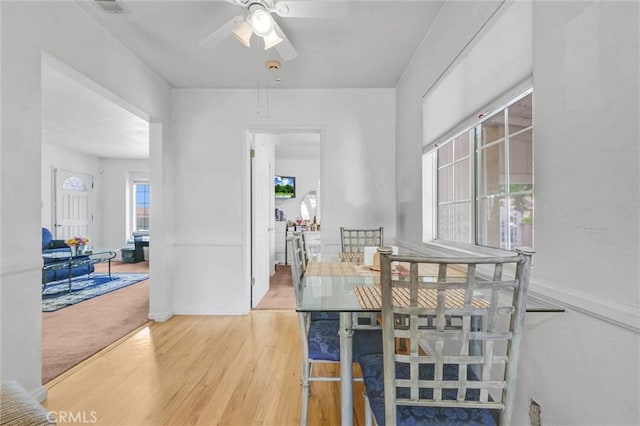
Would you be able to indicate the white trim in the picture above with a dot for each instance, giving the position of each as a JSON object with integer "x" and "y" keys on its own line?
{"x": 19, "y": 269}
{"x": 618, "y": 314}
{"x": 625, "y": 316}
{"x": 160, "y": 316}
{"x": 40, "y": 393}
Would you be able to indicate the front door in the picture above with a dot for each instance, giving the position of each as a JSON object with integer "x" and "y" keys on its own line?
{"x": 73, "y": 204}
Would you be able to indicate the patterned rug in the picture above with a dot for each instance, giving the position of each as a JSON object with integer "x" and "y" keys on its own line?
{"x": 56, "y": 294}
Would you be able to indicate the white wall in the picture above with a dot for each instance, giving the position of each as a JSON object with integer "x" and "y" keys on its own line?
{"x": 212, "y": 179}
{"x": 587, "y": 195}
{"x": 64, "y": 31}
{"x": 307, "y": 174}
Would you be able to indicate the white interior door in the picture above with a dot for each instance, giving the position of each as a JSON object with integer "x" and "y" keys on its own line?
{"x": 263, "y": 204}
{"x": 73, "y": 204}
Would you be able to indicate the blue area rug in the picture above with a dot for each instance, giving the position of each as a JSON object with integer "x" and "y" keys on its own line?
{"x": 56, "y": 294}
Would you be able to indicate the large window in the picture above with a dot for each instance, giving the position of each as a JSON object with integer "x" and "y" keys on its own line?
{"x": 141, "y": 210}
{"x": 484, "y": 180}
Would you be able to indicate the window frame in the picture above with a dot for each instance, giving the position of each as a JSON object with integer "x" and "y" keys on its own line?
{"x": 133, "y": 214}
{"x": 473, "y": 129}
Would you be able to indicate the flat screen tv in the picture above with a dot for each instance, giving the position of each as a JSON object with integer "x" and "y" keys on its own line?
{"x": 285, "y": 187}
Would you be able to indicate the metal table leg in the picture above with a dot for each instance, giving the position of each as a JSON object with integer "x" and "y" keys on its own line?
{"x": 346, "y": 372}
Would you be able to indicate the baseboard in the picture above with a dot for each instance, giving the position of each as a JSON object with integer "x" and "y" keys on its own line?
{"x": 40, "y": 393}
{"x": 160, "y": 317}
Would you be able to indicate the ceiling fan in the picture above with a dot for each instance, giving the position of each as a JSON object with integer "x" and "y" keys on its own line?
{"x": 257, "y": 19}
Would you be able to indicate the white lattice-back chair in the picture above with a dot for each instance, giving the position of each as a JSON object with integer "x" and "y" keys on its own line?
{"x": 299, "y": 251}
{"x": 353, "y": 242}
{"x": 319, "y": 335}
{"x": 464, "y": 338}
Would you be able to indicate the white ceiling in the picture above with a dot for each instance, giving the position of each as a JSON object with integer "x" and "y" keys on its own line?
{"x": 78, "y": 118}
{"x": 368, "y": 47}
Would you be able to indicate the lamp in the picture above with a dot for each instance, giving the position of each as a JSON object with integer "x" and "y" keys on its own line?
{"x": 271, "y": 40}
{"x": 243, "y": 33}
{"x": 261, "y": 22}
{"x": 263, "y": 25}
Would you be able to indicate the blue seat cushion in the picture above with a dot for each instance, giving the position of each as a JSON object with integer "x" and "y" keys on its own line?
{"x": 373, "y": 375}
{"x": 46, "y": 238}
{"x": 324, "y": 341}
{"x": 320, "y": 316}
{"x": 335, "y": 316}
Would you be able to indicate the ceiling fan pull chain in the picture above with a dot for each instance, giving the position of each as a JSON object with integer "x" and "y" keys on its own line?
{"x": 258, "y": 106}
{"x": 267, "y": 100}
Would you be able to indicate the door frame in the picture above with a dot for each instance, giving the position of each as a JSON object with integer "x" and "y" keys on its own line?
{"x": 56, "y": 192}
{"x": 248, "y": 208}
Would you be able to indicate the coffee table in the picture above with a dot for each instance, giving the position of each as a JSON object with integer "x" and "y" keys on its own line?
{"x": 68, "y": 261}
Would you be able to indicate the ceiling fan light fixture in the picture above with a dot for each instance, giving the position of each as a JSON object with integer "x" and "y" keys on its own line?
{"x": 243, "y": 33}
{"x": 271, "y": 40}
{"x": 262, "y": 22}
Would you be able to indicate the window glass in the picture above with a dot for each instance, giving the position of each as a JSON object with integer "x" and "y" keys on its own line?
{"x": 462, "y": 146}
{"x": 521, "y": 207}
{"x": 491, "y": 226}
{"x": 142, "y": 206}
{"x": 445, "y": 184}
{"x": 491, "y": 178}
{"x": 462, "y": 218}
{"x": 521, "y": 114}
{"x": 462, "y": 171}
{"x": 445, "y": 154}
{"x": 493, "y": 128}
{"x": 74, "y": 183}
{"x": 521, "y": 158}
{"x": 445, "y": 222}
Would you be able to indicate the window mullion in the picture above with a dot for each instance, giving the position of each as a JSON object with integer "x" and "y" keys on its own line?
{"x": 507, "y": 178}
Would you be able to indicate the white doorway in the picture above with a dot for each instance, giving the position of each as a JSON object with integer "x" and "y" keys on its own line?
{"x": 295, "y": 153}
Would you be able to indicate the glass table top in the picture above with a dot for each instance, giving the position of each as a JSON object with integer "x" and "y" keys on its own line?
{"x": 67, "y": 254}
{"x": 332, "y": 293}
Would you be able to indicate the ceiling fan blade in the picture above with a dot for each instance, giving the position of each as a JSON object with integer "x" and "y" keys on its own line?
{"x": 311, "y": 9}
{"x": 221, "y": 33}
{"x": 284, "y": 48}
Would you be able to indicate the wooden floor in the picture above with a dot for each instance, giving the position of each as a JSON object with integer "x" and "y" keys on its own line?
{"x": 201, "y": 370}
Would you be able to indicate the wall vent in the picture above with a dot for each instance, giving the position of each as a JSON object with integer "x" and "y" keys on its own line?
{"x": 111, "y": 6}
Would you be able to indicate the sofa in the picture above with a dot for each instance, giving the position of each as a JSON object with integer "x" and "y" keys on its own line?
{"x": 133, "y": 252}
{"x": 49, "y": 245}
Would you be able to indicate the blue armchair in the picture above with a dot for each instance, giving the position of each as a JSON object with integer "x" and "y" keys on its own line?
{"x": 49, "y": 245}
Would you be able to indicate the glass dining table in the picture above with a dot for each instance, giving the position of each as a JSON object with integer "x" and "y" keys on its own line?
{"x": 336, "y": 293}
{"x": 334, "y": 287}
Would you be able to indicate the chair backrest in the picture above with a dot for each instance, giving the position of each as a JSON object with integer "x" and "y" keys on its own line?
{"x": 463, "y": 333}
{"x": 47, "y": 237}
{"x": 305, "y": 249}
{"x": 298, "y": 251}
{"x": 297, "y": 260}
{"x": 355, "y": 240}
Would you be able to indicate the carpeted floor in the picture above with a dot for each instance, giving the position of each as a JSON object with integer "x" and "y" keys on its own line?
{"x": 280, "y": 294}
{"x": 73, "y": 334}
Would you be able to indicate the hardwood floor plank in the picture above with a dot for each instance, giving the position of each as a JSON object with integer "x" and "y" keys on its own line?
{"x": 201, "y": 370}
